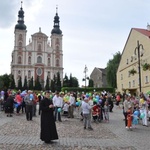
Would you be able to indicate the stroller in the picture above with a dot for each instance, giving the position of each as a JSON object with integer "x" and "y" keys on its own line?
{"x": 96, "y": 112}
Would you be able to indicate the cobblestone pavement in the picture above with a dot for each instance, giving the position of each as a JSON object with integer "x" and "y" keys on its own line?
{"x": 18, "y": 134}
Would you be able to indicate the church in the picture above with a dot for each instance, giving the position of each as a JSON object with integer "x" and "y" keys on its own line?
{"x": 39, "y": 58}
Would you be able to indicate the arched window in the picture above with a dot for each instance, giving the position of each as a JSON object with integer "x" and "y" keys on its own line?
{"x": 20, "y": 44}
{"x": 29, "y": 60}
{"x": 57, "y": 62}
{"x": 57, "y": 41}
{"x": 19, "y": 72}
{"x": 39, "y": 47}
{"x": 20, "y": 37}
{"x": 39, "y": 71}
{"x": 48, "y": 61}
{"x": 19, "y": 59}
{"x": 39, "y": 59}
{"x": 57, "y": 48}
{"x": 29, "y": 74}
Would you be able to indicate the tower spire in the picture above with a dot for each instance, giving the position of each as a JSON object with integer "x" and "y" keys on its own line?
{"x": 56, "y": 29}
{"x": 20, "y": 24}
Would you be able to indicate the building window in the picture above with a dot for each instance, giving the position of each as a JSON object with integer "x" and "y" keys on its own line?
{"x": 131, "y": 58}
{"x": 19, "y": 59}
{"x": 39, "y": 47}
{"x": 29, "y": 74}
{"x": 57, "y": 63}
{"x": 29, "y": 60}
{"x": 146, "y": 79}
{"x": 48, "y": 61}
{"x": 133, "y": 82}
{"x": 48, "y": 74}
{"x": 39, "y": 59}
{"x": 127, "y": 61}
{"x": 128, "y": 73}
{"x": 19, "y": 72}
{"x": 122, "y": 86}
{"x": 57, "y": 41}
{"x": 39, "y": 71}
{"x": 129, "y": 84}
{"x": 20, "y": 37}
{"x": 57, "y": 48}
{"x": 121, "y": 76}
{"x": 20, "y": 44}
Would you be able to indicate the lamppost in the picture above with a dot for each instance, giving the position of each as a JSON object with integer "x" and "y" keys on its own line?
{"x": 139, "y": 54}
{"x": 85, "y": 75}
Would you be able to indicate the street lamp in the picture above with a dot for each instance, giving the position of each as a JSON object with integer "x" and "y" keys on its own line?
{"x": 85, "y": 75}
{"x": 139, "y": 54}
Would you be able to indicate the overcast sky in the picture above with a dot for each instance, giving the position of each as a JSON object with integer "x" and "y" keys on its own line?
{"x": 93, "y": 30}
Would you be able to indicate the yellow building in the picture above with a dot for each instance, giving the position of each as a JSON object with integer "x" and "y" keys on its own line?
{"x": 133, "y": 74}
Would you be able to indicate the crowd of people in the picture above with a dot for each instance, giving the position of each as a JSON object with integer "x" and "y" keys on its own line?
{"x": 93, "y": 107}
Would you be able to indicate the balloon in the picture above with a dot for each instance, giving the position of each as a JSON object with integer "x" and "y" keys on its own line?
{"x": 97, "y": 97}
{"x": 31, "y": 96}
{"x": 136, "y": 113}
{"x": 90, "y": 94}
{"x": 2, "y": 92}
{"x": 59, "y": 109}
{"x": 16, "y": 105}
{"x": 142, "y": 115}
{"x": 77, "y": 103}
{"x": 87, "y": 95}
{"x": 100, "y": 101}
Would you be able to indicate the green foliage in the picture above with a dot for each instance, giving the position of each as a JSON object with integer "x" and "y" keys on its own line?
{"x": 5, "y": 81}
{"x": 52, "y": 86}
{"x": 66, "y": 81}
{"x": 47, "y": 84}
{"x": 132, "y": 71}
{"x": 111, "y": 70}
{"x": 37, "y": 84}
{"x": 58, "y": 82}
{"x": 20, "y": 83}
{"x": 146, "y": 66}
{"x": 88, "y": 89}
{"x": 91, "y": 83}
{"x": 25, "y": 86}
{"x": 12, "y": 82}
{"x": 31, "y": 87}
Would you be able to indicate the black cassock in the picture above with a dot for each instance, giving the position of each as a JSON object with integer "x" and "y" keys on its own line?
{"x": 48, "y": 127}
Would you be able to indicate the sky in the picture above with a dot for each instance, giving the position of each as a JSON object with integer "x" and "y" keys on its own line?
{"x": 93, "y": 30}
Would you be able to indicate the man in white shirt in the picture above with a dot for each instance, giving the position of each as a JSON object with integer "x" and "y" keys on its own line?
{"x": 86, "y": 108}
{"x": 58, "y": 103}
{"x": 71, "y": 106}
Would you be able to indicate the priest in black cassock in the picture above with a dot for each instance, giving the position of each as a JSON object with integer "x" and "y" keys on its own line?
{"x": 48, "y": 127}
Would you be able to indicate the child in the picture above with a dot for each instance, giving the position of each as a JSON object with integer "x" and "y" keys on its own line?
{"x": 65, "y": 109}
{"x": 95, "y": 111}
{"x": 129, "y": 118}
{"x": 135, "y": 118}
{"x": 106, "y": 111}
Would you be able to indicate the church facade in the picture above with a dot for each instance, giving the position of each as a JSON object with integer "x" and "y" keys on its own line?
{"x": 40, "y": 58}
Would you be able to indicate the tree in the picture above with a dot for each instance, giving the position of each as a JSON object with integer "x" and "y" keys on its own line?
{"x": 58, "y": 82}
{"x": 25, "y": 86}
{"x": 47, "y": 84}
{"x": 31, "y": 87}
{"x": 91, "y": 83}
{"x": 71, "y": 81}
{"x": 52, "y": 86}
{"x": 37, "y": 84}
{"x": 12, "y": 82}
{"x": 65, "y": 81}
{"x": 75, "y": 82}
{"x": 20, "y": 83}
{"x": 111, "y": 69}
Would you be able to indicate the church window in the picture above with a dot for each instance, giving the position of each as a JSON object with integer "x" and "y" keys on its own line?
{"x": 39, "y": 71}
{"x": 20, "y": 37}
{"x": 48, "y": 74}
{"x": 19, "y": 72}
{"x": 29, "y": 74}
{"x": 57, "y": 48}
{"x": 48, "y": 61}
{"x": 39, "y": 47}
{"x": 39, "y": 59}
{"x": 57, "y": 62}
{"x": 29, "y": 60}
{"x": 20, "y": 44}
{"x": 19, "y": 59}
{"x": 57, "y": 41}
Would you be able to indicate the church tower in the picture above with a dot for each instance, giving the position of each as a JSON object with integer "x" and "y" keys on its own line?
{"x": 18, "y": 54}
{"x": 56, "y": 44}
